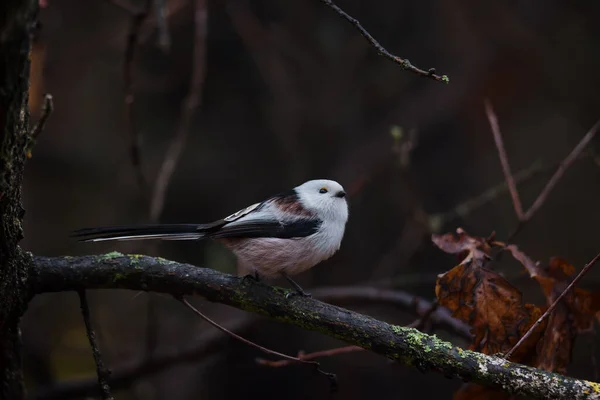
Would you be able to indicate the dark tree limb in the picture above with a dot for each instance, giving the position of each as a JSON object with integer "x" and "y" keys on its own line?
{"x": 405, "y": 345}
{"x": 102, "y": 372}
{"x": 17, "y": 25}
{"x": 123, "y": 376}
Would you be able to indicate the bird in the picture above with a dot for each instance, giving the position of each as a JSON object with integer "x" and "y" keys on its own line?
{"x": 284, "y": 235}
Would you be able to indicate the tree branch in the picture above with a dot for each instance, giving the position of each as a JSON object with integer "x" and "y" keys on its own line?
{"x": 102, "y": 372}
{"x": 190, "y": 105}
{"x": 405, "y": 345}
{"x": 510, "y": 180}
{"x": 403, "y": 62}
{"x": 123, "y": 376}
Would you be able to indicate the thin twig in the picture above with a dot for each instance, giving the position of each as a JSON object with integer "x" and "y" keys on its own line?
{"x": 561, "y": 170}
{"x": 138, "y": 18}
{"x": 331, "y": 377}
{"x": 243, "y": 340}
{"x": 512, "y": 187}
{"x": 309, "y": 356}
{"x": 403, "y": 62}
{"x": 553, "y": 306}
{"x": 47, "y": 108}
{"x": 101, "y": 370}
{"x": 188, "y": 108}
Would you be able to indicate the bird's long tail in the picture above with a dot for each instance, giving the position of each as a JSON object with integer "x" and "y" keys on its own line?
{"x": 164, "y": 232}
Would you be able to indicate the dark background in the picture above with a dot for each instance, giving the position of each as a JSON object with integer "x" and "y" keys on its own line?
{"x": 292, "y": 92}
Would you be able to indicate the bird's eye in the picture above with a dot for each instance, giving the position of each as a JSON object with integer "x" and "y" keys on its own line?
{"x": 323, "y": 190}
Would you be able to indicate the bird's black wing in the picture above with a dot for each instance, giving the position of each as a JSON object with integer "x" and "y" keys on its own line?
{"x": 265, "y": 229}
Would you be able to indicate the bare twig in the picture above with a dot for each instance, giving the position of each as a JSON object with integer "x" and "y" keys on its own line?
{"x": 332, "y": 378}
{"x": 47, "y": 108}
{"x": 101, "y": 370}
{"x": 403, "y": 62}
{"x": 561, "y": 170}
{"x": 188, "y": 108}
{"x": 553, "y": 306}
{"x": 522, "y": 216}
{"x": 309, "y": 356}
{"x": 241, "y": 339}
{"x": 512, "y": 187}
{"x": 137, "y": 20}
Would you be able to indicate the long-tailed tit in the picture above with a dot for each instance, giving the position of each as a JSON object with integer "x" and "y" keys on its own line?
{"x": 284, "y": 235}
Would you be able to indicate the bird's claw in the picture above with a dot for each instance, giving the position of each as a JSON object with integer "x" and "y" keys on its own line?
{"x": 252, "y": 277}
{"x": 297, "y": 293}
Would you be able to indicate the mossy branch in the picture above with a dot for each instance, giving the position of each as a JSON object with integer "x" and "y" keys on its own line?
{"x": 405, "y": 345}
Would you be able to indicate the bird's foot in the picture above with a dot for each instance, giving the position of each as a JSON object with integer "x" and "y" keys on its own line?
{"x": 297, "y": 292}
{"x": 252, "y": 277}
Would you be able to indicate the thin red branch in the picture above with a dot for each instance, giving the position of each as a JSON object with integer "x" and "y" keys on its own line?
{"x": 331, "y": 377}
{"x": 403, "y": 62}
{"x": 309, "y": 356}
{"x": 512, "y": 187}
{"x": 188, "y": 108}
{"x": 575, "y": 153}
{"x": 553, "y": 306}
{"x": 244, "y": 340}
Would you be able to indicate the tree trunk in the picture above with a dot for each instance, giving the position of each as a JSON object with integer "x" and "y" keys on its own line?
{"x": 17, "y": 22}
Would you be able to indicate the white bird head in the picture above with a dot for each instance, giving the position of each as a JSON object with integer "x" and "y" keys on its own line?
{"x": 324, "y": 197}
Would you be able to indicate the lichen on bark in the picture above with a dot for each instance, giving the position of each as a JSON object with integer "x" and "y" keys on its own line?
{"x": 17, "y": 21}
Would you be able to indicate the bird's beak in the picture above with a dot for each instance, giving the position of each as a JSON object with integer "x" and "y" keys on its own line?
{"x": 340, "y": 194}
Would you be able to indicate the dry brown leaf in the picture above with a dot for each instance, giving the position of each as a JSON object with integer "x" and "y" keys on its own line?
{"x": 491, "y": 306}
{"x": 468, "y": 248}
{"x": 574, "y": 314}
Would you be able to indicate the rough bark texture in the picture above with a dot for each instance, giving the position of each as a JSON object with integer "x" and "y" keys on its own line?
{"x": 405, "y": 345}
{"x": 16, "y": 25}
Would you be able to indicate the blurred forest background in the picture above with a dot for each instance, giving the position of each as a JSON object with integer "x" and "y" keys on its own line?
{"x": 289, "y": 91}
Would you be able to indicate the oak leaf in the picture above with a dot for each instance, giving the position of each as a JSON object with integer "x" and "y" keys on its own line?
{"x": 574, "y": 314}
{"x": 484, "y": 299}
